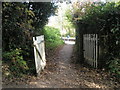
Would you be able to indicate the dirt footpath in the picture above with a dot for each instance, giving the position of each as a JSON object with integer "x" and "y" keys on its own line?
{"x": 62, "y": 73}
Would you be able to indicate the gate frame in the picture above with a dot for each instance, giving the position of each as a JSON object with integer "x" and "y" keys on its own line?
{"x": 39, "y": 53}
{"x": 96, "y": 50}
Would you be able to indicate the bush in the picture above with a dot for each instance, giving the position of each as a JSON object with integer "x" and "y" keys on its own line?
{"x": 103, "y": 19}
{"x": 52, "y": 37}
{"x": 15, "y": 61}
{"x": 20, "y": 22}
{"x": 114, "y": 67}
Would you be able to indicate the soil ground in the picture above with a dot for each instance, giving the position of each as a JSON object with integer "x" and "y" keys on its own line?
{"x": 61, "y": 72}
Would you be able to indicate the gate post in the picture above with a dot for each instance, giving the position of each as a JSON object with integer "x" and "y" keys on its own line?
{"x": 81, "y": 56}
{"x": 79, "y": 42}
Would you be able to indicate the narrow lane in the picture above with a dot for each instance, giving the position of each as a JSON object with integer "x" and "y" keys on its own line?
{"x": 62, "y": 73}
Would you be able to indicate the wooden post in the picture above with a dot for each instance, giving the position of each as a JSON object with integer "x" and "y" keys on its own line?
{"x": 101, "y": 52}
{"x": 77, "y": 44}
{"x": 81, "y": 56}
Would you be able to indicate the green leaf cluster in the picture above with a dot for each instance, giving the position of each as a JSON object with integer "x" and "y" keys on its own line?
{"x": 15, "y": 60}
{"x": 52, "y": 37}
{"x": 104, "y": 20}
{"x": 114, "y": 66}
{"x": 20, "y": 22}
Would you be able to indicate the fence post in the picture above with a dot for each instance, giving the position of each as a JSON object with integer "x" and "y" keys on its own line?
{"x": 101, "y": 51}
{"x": 81, "y": 48}
{"x": 77, "y": 44}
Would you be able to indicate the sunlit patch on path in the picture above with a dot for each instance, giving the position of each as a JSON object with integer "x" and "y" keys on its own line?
{"x": 70, "y": 42}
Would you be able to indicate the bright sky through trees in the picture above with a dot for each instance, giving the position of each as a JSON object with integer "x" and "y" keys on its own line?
{"x": 58, "y": 21}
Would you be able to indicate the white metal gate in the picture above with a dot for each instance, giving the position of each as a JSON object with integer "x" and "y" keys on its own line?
{"x": 39, "y": 53}
{"x": 90, "y": 44}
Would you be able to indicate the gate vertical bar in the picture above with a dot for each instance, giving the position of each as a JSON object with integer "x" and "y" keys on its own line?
{"x": 35, "y": 55}
{"x": 89, "y": 47}
{"x": 95, "y": 52}
{"x": 86, "y": 46}
{"x": 96, "y": 49}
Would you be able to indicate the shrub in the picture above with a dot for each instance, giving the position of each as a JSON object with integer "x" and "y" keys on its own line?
{"x": 52, "y": 37}
{"x": 16, "y": 62}
{"x": 20, "y": 22}
{"x": 114, "y": 67}
{"x": 103, "y": 19}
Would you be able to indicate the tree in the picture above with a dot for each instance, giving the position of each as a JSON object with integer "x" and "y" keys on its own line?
{"x": 42, "y": 11}
{"x": 15, "y": 25}
{"x": 21, "y": 21}
{"x": 63, "y": 23}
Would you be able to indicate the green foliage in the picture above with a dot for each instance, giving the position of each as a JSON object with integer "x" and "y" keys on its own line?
{"x": 15, "y": 59}
{"x": 51, "y": 34}
{"x": 103, "y": 19}
{"x": 52, "y": 37}
{"x": 63, "y": 20}
{"x": 20, "y": 22}
{"x": 13, "y": 25}
{"x": 114, "y": 66}
{"x": 42, "y": 11}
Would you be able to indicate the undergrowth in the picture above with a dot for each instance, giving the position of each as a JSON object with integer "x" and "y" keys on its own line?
{"x": 52, "y": 37}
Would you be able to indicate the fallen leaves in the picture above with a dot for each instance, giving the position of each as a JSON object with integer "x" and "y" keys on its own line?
{"x": 61, "y": 73}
